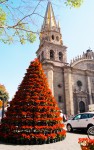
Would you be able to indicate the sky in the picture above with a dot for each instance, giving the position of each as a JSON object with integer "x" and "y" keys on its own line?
{"x": 77, "y": 29}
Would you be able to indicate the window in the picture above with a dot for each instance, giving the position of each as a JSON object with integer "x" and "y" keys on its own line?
{"x": 77, "y": 117}
{"x": 52, "y": 37}
{"x": 59, "y": 99}
{"x": 84, "y": 116}
{"x": 51, "y": 54}
{"x": 90, "y": 115}
{"x": 79, "y": 83}
{"x": 59, "y": 85}
{"x": 60, "y": 56}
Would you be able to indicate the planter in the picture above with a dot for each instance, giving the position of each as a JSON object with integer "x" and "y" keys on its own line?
{"x": 84, "y": 148}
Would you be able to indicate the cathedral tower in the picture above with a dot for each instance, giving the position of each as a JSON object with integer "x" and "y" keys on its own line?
{"x": 52, "y": 53}
{"x": 72, "y": 84}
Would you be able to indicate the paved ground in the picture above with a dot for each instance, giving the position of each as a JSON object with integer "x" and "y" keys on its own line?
{"x": 70, "y": 143}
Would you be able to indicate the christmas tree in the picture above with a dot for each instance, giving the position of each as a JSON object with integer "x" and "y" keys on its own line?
{"x": 33, "y": 116}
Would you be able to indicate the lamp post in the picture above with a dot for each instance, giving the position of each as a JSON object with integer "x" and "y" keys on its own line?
{"x": 3, "y": 107}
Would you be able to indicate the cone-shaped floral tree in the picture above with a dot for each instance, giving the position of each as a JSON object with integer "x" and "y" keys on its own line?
{"x": 33, "y": 116}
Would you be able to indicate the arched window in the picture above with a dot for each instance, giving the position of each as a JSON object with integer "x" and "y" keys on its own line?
{"x": 79, "y": 84}
{"x": 60, "y": 56}
{"x": 51, "y": 54}
{"x": 42, "y": 55}
{"x": 52, "y": 37}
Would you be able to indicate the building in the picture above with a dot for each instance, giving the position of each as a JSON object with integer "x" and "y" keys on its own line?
{"x": 71, "y": 84}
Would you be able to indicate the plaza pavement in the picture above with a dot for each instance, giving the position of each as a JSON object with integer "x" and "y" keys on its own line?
{"x": 70, "y": 143}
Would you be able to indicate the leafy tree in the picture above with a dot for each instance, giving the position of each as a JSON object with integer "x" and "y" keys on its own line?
{"x": 33, "y": 116}
{"x": 17, "y": 18}
{"x": 74, "y": 3}
{"x": 14, "y": 22}
{"x": 4, "y": 96}
{"x": 3, "y": 93}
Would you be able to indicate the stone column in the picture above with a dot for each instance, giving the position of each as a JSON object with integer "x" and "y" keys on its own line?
{"x": 48, "y": 69}
{"x": 50, "y": 80}
{"x": 68, "y": 91}
{"x": 89, "y": 89}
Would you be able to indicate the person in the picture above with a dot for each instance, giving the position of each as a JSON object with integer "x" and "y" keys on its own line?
{"x": 63, "y": 116}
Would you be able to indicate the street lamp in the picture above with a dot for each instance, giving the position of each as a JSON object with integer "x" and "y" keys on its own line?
{"x": 3, "y": 108}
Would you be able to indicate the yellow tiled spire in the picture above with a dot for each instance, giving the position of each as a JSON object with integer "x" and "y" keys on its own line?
{"x": 49, "y": 20}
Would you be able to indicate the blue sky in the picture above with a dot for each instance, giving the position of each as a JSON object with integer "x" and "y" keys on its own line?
{"x": 77, "y": 28}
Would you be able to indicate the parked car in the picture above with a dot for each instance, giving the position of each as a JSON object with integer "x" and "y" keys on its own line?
{"x": 81, "y": 121}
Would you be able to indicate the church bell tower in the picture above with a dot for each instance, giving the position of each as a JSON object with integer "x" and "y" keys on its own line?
{"x": 52, "y": 52}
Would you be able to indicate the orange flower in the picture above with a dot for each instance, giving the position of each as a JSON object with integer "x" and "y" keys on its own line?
{"x": 23, "y": 113}
{"x": 26, "y": 136}
{"x": 51, "y": 135}
{"x": 62, "y": 133}
{"x": 86, "y": 142}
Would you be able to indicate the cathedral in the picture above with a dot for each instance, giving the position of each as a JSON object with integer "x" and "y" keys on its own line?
{"x": 72, "y": 84}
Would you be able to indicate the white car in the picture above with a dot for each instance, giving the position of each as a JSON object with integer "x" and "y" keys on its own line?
{"x": 81, "y": 121}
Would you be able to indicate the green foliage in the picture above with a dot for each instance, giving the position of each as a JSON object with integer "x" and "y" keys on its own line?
{"x": 2, "y": 17}
{"x": 74, "y": 3}
{"x": 2, "y": 1}
{"x": 4, "y": 96}
{"x": 19, "y": 33}
{"x": 14, "y": 20}
{"x": 3, "y": 93}
{"x": 2, "y": 20}
{"x": 31, "y": 37}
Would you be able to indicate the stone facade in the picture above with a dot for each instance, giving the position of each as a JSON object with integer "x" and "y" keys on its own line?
{"x": 71, "y": 84}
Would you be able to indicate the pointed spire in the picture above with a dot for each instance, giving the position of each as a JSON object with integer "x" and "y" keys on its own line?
{"x": 49, "y": 20}
{"x": 58, "y": 24}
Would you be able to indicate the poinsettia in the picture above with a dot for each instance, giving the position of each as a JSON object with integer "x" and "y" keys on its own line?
{"x": 33, "y": 115}
{"x": 86, "y": 142}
